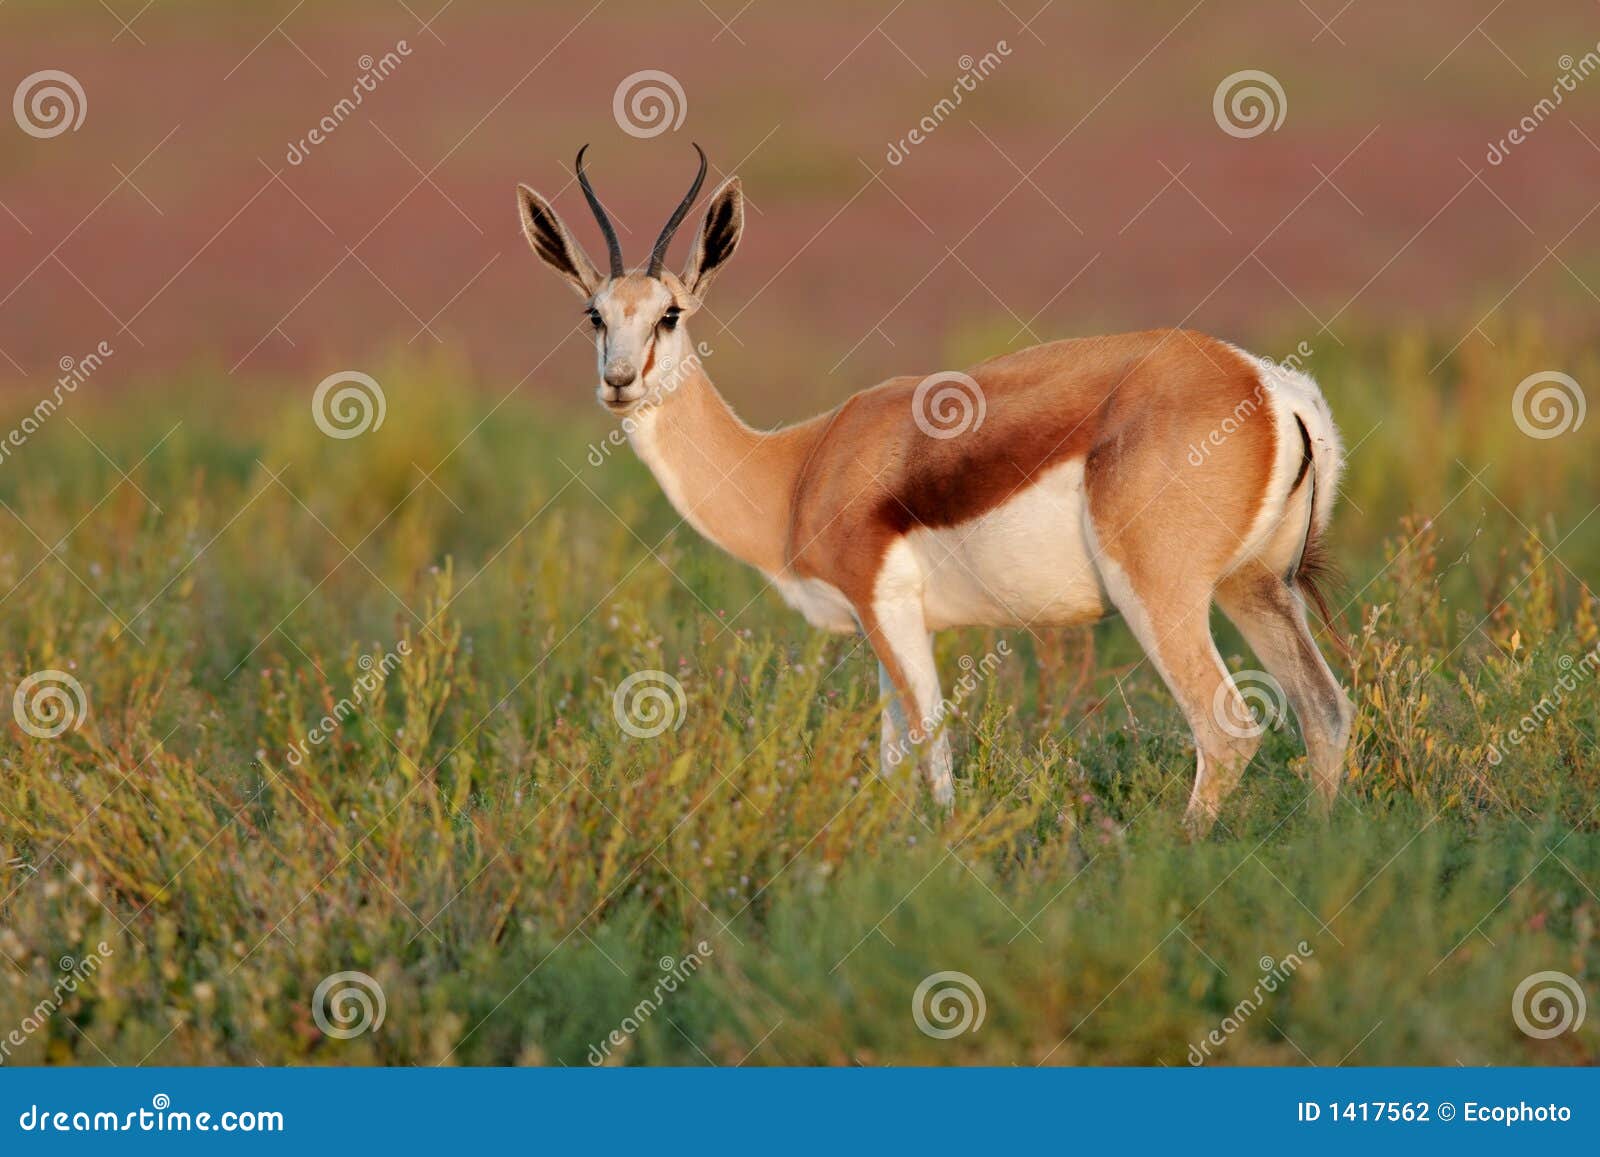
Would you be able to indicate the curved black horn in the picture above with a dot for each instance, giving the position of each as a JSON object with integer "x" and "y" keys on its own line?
{"x": 658, "y": 255}
{"x": 600, "y": 215}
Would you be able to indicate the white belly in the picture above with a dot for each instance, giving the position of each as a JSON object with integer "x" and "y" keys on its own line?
{"x": 1025, "y": 561}
{"x": 823, "y": 604}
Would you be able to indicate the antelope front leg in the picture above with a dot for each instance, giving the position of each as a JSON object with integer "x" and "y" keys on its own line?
{"x": 909, "y": 681}
{"x": 894, "y": 739}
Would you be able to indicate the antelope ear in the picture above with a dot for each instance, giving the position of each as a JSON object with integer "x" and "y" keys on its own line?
{"x": 553, "y": 244}
{"x": 718, "y": 237}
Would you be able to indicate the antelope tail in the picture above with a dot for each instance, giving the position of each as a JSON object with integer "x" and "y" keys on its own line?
{"x": 1316, "y": 573}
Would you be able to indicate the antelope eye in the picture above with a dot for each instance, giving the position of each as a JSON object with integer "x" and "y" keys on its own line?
{"x": 669, "y": 320}
{"x": 594, "y": 318}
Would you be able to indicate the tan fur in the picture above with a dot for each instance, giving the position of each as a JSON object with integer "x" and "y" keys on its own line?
{"x": 828, "y": 504}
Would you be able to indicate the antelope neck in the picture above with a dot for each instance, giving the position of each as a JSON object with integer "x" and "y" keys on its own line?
{"x": 733, "y": 484}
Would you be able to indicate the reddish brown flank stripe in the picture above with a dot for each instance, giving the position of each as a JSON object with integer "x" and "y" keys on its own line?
{"x": 825, "y": 508}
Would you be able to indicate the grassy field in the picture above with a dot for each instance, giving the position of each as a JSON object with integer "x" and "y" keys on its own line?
{"x": 520, "y": 876}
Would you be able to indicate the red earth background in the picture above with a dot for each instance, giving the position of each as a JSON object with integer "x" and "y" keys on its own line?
{"x": 1084, "y": 185}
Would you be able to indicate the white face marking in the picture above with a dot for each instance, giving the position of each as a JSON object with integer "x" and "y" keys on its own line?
{"x": 633, "y": 337}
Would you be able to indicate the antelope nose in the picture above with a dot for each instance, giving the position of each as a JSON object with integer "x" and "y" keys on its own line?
{"x": 620, "y": 374}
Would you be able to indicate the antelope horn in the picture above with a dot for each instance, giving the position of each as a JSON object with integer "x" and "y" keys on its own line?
{"x": 612, "y": 243}
{"x": 658, "y": 255}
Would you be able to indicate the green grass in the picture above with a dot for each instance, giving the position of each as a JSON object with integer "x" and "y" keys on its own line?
{"x": 484, "y": 840}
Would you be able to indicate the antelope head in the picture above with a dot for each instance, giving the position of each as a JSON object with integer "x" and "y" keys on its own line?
{"x": 640, "y": 339}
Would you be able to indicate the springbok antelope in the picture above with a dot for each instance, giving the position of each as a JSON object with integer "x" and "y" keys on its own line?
{"x": 1147, "y": 473}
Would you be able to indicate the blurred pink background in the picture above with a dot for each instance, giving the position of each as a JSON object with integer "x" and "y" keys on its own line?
{"x": 1083, "y": 184}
